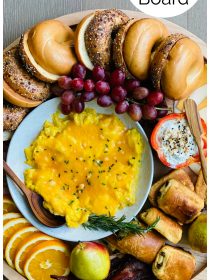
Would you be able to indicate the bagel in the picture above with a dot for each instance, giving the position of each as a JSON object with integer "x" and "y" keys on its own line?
{"x": 19, "y": 87}
{"x": 118, "y": 47}
{"x": 79, "y": 42}
{"x": 12, "y": 117}
{"x": 140, "y": 40}
{"x": 178, "y": 67}
{"x": 46, "y": 50}
{"x": 98, "y": 35}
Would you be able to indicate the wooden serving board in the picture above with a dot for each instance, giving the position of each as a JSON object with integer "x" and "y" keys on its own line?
{"x": 73, "y": 19}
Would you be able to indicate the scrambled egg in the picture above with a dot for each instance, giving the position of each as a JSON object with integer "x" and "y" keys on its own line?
{"x": 84, "y": 163}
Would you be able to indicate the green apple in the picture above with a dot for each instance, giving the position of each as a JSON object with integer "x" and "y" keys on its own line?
{"x": 197, "y": 234}
{"x": 90, "y": 261}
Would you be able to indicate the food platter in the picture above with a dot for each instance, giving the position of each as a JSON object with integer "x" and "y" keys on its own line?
{"x": 74, "y": 19}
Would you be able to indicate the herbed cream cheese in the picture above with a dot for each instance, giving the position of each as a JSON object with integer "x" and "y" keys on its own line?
{"x": 176, "y": 141}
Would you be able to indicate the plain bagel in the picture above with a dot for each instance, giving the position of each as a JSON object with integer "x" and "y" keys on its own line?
{"x": 46, "y": 50}
{"x": 98, "y": 35}
{"x": 178, "y": 67}
{"x": 140, "y": 40}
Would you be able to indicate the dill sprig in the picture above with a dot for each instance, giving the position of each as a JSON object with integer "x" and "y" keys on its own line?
{"x": 109, "y": 223}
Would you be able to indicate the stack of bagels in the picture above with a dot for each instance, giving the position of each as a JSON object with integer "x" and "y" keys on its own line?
{"x": 43, "y": 54}
{"x": 143, "y": 48}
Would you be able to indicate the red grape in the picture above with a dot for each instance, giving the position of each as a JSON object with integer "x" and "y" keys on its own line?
{"x": 118, "y": 94}
{"x": 102, "y": 87}
{"x": 88, "y": 96}
{"x": 67, "y": 97}
{"x": 107, "y": 76}
{"x": 77, "y": 84}
{"x": 135, "y": 112}
{"x": 65, "y": 109}
{"x": 155, "y": 98}
{"x": 131, "y": 84}
{"x": 98, "y": 73}
{"x": 121, "y": 107}
{"x": 64, "y": 82}
{"x": 78, "y": 105}
{"x": 78, "y": 71}
{"x": 149, "y": 112}
{"x": 89, "y": 85}
{"x": 140, "y": 93}
{"x": 104, "y": 101}
{"x": 117, "y": 77}
{"x": 56, "y": 90}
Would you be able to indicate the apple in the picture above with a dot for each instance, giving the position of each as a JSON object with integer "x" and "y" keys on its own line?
{"x": 90, "y": 261}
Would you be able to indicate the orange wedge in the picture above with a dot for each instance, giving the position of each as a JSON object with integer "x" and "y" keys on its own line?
{"x": 8, "y": 204}
{"x": 11, "y": 247}
{"x": 11, "y": 227}
{"x": 25, "y": 246}
{"x": 47, "y": 258}
{"x": 9, "y": 216}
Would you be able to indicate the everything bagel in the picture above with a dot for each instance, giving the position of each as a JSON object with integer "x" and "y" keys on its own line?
{"x": 46, "y": 50}
{"x": 98, "y": 35}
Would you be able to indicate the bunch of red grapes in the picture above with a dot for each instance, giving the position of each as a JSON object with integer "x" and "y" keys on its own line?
{"x": 108, "y": 88}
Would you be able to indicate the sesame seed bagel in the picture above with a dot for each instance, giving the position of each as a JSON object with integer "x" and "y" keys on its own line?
{"x": 140, "y": 40}
{"x": 46, "y": 50}
{"x": 19, "y": 84}
{"x": 118, "y": 47}
{"x": 12, "y": 116}
{"x": 98, "y": 35}
{"x": 178, "y": 67}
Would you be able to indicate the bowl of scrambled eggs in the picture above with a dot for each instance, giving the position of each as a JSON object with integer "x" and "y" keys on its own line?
{"x": 95, "y": 162}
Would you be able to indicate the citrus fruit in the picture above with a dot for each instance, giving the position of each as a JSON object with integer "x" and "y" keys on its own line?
{"x": 90, "y": 261}
{"x": 8, "y": 204}
{"x": 9, "y": 216}
{"x": 16, "y": 238}
{"x": 25, "y": 246}
{"x": 197, "y": 234}
{"x": 47, "y": 258}
{"x": 11, "y": 227}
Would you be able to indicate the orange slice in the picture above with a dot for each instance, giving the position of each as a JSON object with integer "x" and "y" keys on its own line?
{"x": 8, "y": 204}
{"x": 25, "y": 246}
{"x": 9, "y": 216}
{"x": 47, "y": 258}
{"x": 11, "y": 247}
{"x": 11, "y": 227}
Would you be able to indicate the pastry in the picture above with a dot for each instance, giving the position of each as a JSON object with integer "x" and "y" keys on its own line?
{"x": 98, "y": 35}
{"x": 178, "y": 67}
{"x": 179, "y": 201}
{"x": 173, "y": 264}
{"x": 143, "y": 247}
{"x": 201, "y": 187}
{"x": 165, "y": 226}
{"x": 178, "y": 174}
{"x": 140, "y": 40}
{"x": 19, "y": 87}
{"x": 46, "y": 50}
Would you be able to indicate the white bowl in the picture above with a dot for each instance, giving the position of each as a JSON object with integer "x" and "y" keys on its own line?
{"x": 27, "y": 132}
